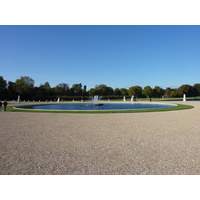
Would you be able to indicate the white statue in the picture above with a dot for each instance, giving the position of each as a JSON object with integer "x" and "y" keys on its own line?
{"x": 18, "y": 99}
{"x": 184, "y": 97}
{"x": 132, "y": 98}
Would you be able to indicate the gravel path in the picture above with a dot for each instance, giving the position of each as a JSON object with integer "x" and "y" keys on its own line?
{"x": 135, "y": 143}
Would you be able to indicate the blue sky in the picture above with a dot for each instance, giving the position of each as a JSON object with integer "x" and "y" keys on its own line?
{"x": 118, "y": 56}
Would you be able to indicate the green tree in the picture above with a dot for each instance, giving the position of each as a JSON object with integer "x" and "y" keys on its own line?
{"x": 92, "y": 92}
{"x": 147, "y": 91}
{"x": 102, "y": 90}
{"x": 12, "y": 91}
{"x": 136, "y": 91}
{"x": 47, "y": 85}
{"x": 3, "y": 87}
{"x": 158, "y": 92}
{"x": 167, "y": 92}
{"x": 77, "y": 89}
{"x": 124, "y": 91}
{"x": 174, "y": 93}
{"x": 25, "y": 86}
{"x": 61, "y": 89}
{"x": 3, "y": 84}
{"x": 117, "y": 92}
{"x": 84, "y": 90}
{"x": 196, "y": 88}
{"x": 186, "y": 89}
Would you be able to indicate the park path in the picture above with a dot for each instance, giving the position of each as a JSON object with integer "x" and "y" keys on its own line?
{"x": 135, "y": 143}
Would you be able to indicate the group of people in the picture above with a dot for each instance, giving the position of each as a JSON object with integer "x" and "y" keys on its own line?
{"x": 4, "y": 104}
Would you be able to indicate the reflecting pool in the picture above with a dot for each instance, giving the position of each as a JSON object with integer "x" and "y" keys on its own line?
{"x": 90, "y": 106}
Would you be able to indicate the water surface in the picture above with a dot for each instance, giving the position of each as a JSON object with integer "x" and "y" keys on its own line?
{"x": 90, "y": 106}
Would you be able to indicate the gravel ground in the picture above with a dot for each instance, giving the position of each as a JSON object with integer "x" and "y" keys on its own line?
{"x": 135, "y": 143}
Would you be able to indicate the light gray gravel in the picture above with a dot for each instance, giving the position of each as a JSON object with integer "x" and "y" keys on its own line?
{"x": 137, "y": 143}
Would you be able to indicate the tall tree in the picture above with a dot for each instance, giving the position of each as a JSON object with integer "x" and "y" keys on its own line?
{"x": 167, "y": 92}
{"x": 47, "y": 85}
{"x": 147, "y": 91}
{"x": 92, "y": 92}
{"x": 124, "y": 91}
{"x": 136, "y": 91}
{"x": 117, "y": 92}
{"x": 174, "y": 93}
{"x": 185, "y": 89}
{"x": 84, "y": 90}
{"x": 77, "y": 88}
{"x": 12, "y": 92}
{"x": 158, "y": 92}
{"x": 3, "y": 87}
{"x": 25, "y": 86}
{"x": 196, "y": 88}
{"x": 102, "y": 89}
{"x": 62, "y": 89}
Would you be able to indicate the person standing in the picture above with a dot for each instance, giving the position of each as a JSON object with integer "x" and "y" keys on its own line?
{"x": 5, "y": 105}
{"x": 0, "y": 105}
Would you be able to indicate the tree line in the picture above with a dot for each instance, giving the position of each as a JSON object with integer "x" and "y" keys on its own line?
{"x": 24, "y": 86}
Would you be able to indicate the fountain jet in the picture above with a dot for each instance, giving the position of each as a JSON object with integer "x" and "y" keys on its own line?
{"x": 95, "y": 101}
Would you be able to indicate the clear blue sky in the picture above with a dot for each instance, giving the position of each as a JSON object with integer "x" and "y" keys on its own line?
{"x": 118, "y": 56}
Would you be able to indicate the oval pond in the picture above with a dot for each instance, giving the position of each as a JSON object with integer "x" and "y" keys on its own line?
{"x": 90, "y": 106}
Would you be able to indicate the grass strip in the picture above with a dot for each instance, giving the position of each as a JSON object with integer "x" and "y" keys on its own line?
{"x": 178, "y": 107}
